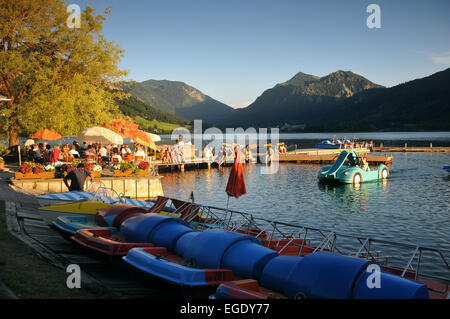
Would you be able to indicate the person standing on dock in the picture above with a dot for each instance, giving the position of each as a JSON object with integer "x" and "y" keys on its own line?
{"x": 77, "y": 177}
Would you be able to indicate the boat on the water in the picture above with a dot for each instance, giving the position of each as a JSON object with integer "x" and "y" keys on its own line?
{"x": 447, "y": 168}
{"x": 112, "y": 216}
{"x": 188, "y": 257}
{"x": 237, "y": 255}
{"x": 343, "y": 144}
{"x": 82, "y": 208}
{"x": 68, "y": 197}
{"x": 108, "y": 217}
{"x": 327, "y": 144}
{"x": 322, "y": 275}
{"x": 349, "y": 169}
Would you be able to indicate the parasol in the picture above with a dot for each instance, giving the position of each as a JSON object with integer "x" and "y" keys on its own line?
{"x": 236, "y": 182}
{"x": 47, "y": 134}
{"x": 99, "y": 134}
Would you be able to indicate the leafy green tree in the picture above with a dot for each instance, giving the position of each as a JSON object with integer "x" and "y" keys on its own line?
{"x": 57, "y": 76}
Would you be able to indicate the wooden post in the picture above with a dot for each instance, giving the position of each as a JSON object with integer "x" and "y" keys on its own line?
{"x": 20, "y": 157}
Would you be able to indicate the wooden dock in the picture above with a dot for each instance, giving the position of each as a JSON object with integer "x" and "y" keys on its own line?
{"x": 329, "y": 159}
{"x": 323, "y": 151}
{"x": 301, "y": 156}
{"x": 405, "y": 148}
{"x": 329, "y": 156}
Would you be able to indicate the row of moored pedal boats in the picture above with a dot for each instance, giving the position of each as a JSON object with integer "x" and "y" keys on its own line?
{"x": 181, "y": 243}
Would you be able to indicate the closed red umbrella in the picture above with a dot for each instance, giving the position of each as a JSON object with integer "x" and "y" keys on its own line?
{"x": 236, "y": 182}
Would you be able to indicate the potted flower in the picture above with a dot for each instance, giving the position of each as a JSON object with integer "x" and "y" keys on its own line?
{"x": 34, "y": 170}
{"x": 124, "y": 168}
{"x": 95, "y": 169}
{"x": 129, "y": 169}
{"x": 142, "y": 168}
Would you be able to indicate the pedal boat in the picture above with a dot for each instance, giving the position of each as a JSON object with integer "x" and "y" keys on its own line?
{"x": 347, "y": 170}
{"x": 67, "y": 197}
{"x": 82, "y": 208}
{"x": 109, "y": 217}
{"x": 188, "y": 257}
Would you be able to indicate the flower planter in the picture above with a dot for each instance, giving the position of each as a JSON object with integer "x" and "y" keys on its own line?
{"x": 96, "y": 174}
{"x": 2, "y": 165}
{"x": 19, "y": 175}
{"x": 130, "y": 173}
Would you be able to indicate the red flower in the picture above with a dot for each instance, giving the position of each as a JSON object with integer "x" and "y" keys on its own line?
{"x": 143, "y": 165}
{"x": 24, "y": 169}
{"x": 37, "y": 170}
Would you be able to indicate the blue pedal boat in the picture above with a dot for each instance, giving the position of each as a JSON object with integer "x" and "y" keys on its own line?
{"x": 348, "y": 169}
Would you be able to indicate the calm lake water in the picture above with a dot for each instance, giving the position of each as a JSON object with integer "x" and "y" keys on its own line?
{"x": 412, "y": 206}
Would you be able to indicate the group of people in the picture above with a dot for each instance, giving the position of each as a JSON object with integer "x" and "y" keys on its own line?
{"x": 174, "y": 154}
{"x": 44, "y": 153}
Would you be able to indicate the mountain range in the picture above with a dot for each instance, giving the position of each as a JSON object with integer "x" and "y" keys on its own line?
{"x": 179, "y": 99}
{"x": 340, "y": 101}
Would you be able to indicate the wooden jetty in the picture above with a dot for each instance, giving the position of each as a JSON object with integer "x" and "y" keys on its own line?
{"x": 328, "y": 156}
{"x": 301, "y": 156}
{"x": 405, "y": 148}
{"x": 329, "y": 159}
{"x": 323, "y": 151}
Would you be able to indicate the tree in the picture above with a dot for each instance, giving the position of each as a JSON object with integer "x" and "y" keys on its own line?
{"x": 56, "y": 76}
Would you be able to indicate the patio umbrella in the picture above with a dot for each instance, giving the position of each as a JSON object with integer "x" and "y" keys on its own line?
{"x": 99, "y": 134}
{"x": 47, "y": 134}
{"x": 154, "y": 137}
{"x": 142, "y": 138}
{"x": 130, "y": 130}
{"x": 236, "y": 182}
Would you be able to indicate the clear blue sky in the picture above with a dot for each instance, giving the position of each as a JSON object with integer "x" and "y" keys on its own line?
{"x": 234, "y": 50}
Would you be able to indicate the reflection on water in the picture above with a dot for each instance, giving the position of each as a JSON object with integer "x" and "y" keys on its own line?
{"x": 354, "y": 198}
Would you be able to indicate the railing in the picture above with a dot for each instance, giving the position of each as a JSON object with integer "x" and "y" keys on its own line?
{"x": 408, "y": 260}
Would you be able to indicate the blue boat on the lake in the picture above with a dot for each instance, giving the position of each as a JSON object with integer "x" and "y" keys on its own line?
{"x": 349, "y": 169}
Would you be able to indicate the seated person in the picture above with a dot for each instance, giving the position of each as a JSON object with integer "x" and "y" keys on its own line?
{"x": 139, "y": 153}
{"x": 364, "y": 164}
{"x": 74, "y": 151}
{"x": 103, "y": 153}
{"x": 37, "y": 156}
{"x": 90, "y": 151}
{"x": 56, "y": 156}
{"x": 126, "y": 150}
{"x": 116, "y": 158}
